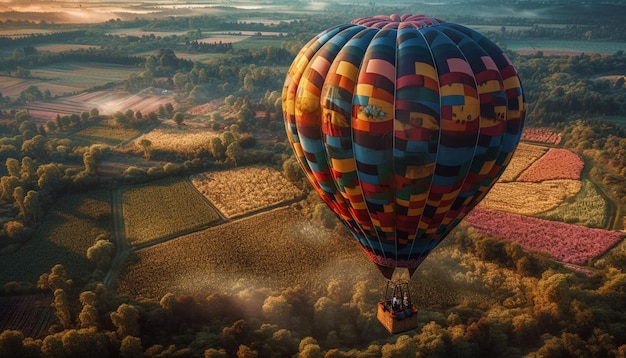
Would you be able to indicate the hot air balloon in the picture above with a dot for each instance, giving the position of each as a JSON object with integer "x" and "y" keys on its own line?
{"x": 402, "y": 124}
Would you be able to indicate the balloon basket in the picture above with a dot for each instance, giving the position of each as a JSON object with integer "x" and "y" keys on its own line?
{"x": 397, "y": 322}
{"x": 396, "y": 312}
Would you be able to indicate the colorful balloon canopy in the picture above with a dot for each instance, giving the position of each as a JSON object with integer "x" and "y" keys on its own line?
{"x": 402, "y": 124}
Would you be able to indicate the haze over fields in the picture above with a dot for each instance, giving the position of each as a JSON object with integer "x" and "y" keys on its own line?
{"x": 151, "y": 204}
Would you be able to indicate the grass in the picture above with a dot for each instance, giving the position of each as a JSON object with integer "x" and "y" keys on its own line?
{"x": 257, "y": 43}
{"x": 99, "y": 133}
{"x": 244, "y": 190}
{"x": 577, "y": 46}
{"x": 165, "y": 208}
{"x": 67, "y": 231}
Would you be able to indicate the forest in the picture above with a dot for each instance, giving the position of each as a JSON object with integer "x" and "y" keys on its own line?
{"x": 478, "y": 294}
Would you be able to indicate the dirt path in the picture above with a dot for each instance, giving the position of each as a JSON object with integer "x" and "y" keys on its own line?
{"x": 119, "y": 235}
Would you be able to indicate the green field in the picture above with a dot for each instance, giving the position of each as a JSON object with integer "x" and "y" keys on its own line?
{"x": 257, "y": 43}
{"x": 103, "y": 134}
{"x": 67, "y": 231}
{"x": 162, "y": 209}
{"x": 576, "y": 46}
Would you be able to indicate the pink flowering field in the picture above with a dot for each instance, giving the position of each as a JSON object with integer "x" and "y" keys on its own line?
{"x": 557, "y": 163}
{"x": 565, "y": 242}
{"x": 543, "y": 135}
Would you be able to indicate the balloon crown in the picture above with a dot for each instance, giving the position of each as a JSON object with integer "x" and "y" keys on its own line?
{"x": 396, "y": 21}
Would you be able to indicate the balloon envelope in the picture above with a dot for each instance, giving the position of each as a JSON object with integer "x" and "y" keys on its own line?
{"x": 402, "y": 124}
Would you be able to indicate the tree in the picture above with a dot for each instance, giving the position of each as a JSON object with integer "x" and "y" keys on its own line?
{"x": 234, "y": 152}
{"x": 18, "y": 197}
{"x": 51, "y": 125}
{"x": 130, "y": 347}
{"x": 130, "y": 114}
{"x": 179, "y": 118}
{"x": 36, "y": 147}
{"x": 62, "y": 308}
{"x": 121, "y": 119}
{"x": 84, "y": 116}
{"x": 217, "y": 149}
{"x": 292, "y": 170}
{"x": 126, "y": 320}
{"x": 88, "y": 317}
{"x": 8, "y": 185}
{"x": 91, "y": 165}
{"x": 101, "y": 253}
{"x": 309, "y": 348}
{"x": 56, "y": 279}
{"x": 33, "y": 210}
{"x": 169, "y": 108}
{"x": 217, "y": 116}
{"x": 50, "y": 180}
{"x": 146, "y": 144}
{"x": 14, "y": 167}
{"x": 404, "y": 347}
{"x": 11, "y": 344}
{"x": 153, "y": 117}
{"x": 28, "y": 170}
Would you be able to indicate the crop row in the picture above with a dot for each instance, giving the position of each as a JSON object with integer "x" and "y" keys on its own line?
{"x": 163, "y": 208}
{"x": 565, "y": 242}
{"x": 544, "y": 135}
{"x": 105, "y": 134}
{"x": 275, "y": 249}
{"x": 525, "y": 155}
{"x": 557, "y": 163}
{"x": 172, "y": 139}
{"x": 243, "y": 190}
{"x": 587, "y": 208}
{"x": 528, "y": 198}
{"x": 30, "y": 314}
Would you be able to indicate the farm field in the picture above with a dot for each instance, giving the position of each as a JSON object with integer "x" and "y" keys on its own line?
{"x": 564, "y": 46}
{"x": 187, "y": 139}
{"x": 63, "y": 47}
{"x": 30, "y": 314}
{"x": 278, "y": 250}
{"x": 257, "y": 43}
{"x": 102, "y": 133}
{"x": 262, "y": 250}
{"x": 568, "y": 243}
{"x": 67, "y": 231}
{"x": 259, "y": 187}
{"x": 67, "y": 77}
{"x": 587, "y": 208}
{"x": 165, "y": 208}
{"x": 201, "y": 57}
{"x": 107, "y": 102}
{"x": 537, "y": 180}
{"x": 525, "y": 155}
